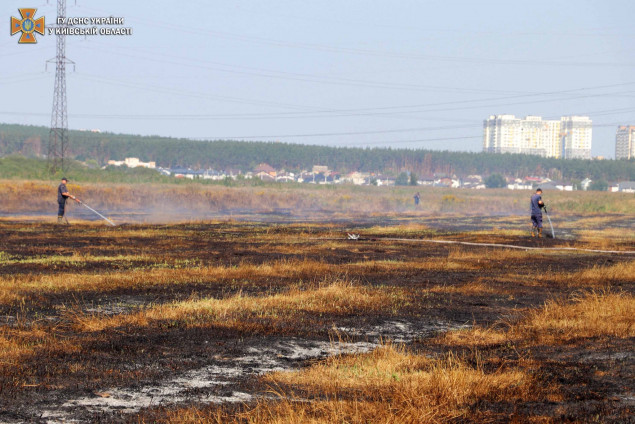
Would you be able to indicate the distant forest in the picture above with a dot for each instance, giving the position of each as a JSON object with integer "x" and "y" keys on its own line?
{"x": 31, "y": 141}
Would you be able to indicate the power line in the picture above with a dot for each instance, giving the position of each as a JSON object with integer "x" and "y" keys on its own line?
{"x": 292, "y": 76}
{"x": 253, "y": 116}
{"x": 453, "y": 127}
{"x": 326, "y": 114}
{"x": 282, "y": 75}
{"x": 242, "y": 138}
{"x": 515, "y": 96}
{"x": 365, "y": 52}
{"x": 593, "y": 32}
{"x": 200, "y": 95}
{"x": 419, "y": 140}
{"x": 323, "y": 113}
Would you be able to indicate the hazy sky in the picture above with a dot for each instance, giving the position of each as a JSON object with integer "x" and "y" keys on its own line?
{"x": 416, "y": 74}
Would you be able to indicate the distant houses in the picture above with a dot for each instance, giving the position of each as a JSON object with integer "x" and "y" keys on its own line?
{"x": 132, "y": 163}
{"x": 626, "y": 187}
{"x": 265, "y": 172}
{"x": 321, "y": 174}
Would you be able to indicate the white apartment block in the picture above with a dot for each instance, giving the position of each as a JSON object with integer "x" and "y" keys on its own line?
{"x": 625, "y": 142}
{"x": 133, "y": 163}
{"x": 576, "y": 137}
{"x": 501, "y": 134}
{"x": 533, "y": 135}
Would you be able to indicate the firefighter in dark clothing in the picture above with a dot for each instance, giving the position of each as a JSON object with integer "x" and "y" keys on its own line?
{"x": 62, "y": 195}
{"x": 536, "y": 213}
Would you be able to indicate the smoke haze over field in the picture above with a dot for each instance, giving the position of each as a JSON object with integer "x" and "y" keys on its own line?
{"x": 170, "y": 203}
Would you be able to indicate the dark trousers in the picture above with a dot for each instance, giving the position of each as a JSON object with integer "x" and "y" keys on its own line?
{"x": 62, "y": 205}
{"x": 536, "y": 220}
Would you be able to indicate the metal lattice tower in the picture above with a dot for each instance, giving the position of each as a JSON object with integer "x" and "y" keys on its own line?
{"x": 58, "y": 134}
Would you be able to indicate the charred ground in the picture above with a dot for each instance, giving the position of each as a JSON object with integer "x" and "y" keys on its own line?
{"x": 87, "y": 310}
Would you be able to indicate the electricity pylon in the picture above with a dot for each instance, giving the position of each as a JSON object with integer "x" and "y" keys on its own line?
{"x": 58, "y": 134}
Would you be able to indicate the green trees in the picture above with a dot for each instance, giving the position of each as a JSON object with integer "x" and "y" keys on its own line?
{"x": 495, "y": 181}
{"x": 31, "y": 141}
{"x": 413, "y": 179}
{"x": 402, "y": 179}
{"x": 599, "y": 185}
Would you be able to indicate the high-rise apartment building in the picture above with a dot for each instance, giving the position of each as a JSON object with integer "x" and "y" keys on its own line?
{"x": 576, "y": 137}
{"x": 533, "y": 135}
{"x": 552, "y": 139}
{"x": 500, "y": 134}
{"x": 625, "y": 142}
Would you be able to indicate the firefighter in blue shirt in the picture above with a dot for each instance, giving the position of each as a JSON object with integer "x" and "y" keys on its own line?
{"x": 536, "y": 213}
{"x": 62, "y": 195}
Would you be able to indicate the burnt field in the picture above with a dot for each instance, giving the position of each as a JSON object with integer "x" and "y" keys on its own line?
{"x": 294, "y": 322}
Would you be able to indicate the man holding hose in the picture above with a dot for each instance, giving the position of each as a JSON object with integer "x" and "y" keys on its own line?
{"x": 62, "y": 195}
{"x": 536, "y": 213}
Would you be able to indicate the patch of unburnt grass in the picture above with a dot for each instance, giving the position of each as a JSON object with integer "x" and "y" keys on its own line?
{"x": 479, "y": 286}
{"x": 597, "y": 275}
{"x": 588, "y": 315}
{"x": 18, "y": 288}
{"x": 298, "y": 305}
{"x": 404, "y": 230}
{"x": 593, "y": 314}
{"x": 389, "y": 384}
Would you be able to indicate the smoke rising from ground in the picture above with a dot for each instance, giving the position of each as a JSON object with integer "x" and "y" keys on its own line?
{"x": 278, "y": 203}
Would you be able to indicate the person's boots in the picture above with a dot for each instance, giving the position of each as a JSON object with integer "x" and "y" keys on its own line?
{"x": 539, "y": 232}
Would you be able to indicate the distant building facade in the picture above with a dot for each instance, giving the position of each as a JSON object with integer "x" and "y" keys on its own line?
{"x": 501, "y": 134}
{"x": 577, "y": 133}
{"x": 133, "y": 163}
{"x": 625, "y": 142}
{"x": 569, "y": 137}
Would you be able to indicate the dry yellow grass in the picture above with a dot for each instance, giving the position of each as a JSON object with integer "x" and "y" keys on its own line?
{"x": 481, "y": 255}
{"x": 590, "y": 222}
{"x": 473, "y": 288}
{"x": 17, "y": 343}
{"x": 589, "y": 315}
{"x": 621, "y": 272}
{"x": 239, "y": 312}
{"x": 14, "y": 288}
{"x": 399, "y": 230}
{"x": 168, "y": 271}
{"x": 429, "y": 264}
{"x": 75, "y": 259}
{"x": 605, "y": 275}
{"x": 477, "y": 337}
{"x": 612, "y": 234}
{"x": 389, "y": 385}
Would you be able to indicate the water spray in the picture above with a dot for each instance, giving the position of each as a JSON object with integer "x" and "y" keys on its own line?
{"x": 93, "y": 210}
{"x": 553, "y": 235}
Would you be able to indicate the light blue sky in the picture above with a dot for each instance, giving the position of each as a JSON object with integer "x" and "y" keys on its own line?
{"x": 416, "y": 74}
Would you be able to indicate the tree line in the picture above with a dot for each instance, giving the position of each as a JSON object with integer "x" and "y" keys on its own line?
{"x": 31, "y": 141}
